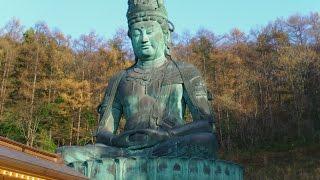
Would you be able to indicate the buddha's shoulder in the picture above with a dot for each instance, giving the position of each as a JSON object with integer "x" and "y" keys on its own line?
{"x": 116, "y": 78}
{"x": 187, "y": 69}
{"x": 183, "y": 64}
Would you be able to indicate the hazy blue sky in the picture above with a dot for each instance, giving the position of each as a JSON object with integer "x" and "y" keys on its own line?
{"x": 75, "y": 17}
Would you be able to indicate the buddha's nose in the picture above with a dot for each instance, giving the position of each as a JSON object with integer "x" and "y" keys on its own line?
{"x": 145, "y": 37}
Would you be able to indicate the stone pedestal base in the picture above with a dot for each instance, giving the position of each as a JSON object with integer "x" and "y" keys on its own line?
{"x": 158, "y": 169}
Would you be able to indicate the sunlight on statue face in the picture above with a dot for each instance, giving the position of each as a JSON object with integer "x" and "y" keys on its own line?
{"x": 148, "y": 40}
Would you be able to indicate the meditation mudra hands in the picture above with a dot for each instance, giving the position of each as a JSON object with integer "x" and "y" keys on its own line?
{"x": 144, "y": 138}
{"x": 139, "y": 139}
{"x": 133, "y": 139}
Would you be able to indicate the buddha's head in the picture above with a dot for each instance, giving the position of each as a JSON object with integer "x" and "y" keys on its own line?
{"x": 149, "y": 29}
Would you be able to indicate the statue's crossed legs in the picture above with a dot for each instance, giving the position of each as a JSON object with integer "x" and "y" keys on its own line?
{"x": 200, "y": 145}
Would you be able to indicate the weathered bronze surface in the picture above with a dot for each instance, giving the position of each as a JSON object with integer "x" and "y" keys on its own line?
{"x": 160, "y": 169}
{"x": 152, "y": 96}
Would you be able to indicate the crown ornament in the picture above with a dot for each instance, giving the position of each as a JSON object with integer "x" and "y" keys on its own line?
{"x": 144, "y": 10}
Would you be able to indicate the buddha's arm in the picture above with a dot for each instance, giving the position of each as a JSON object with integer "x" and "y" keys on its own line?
{"x": 109, "y": 117}
{"x": 199, "y": 106}
{"x": 108, "y": 127}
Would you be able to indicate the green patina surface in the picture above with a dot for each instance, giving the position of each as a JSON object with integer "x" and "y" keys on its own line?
{"x": 159, "y": 168}
{"x": 152, "y": 96}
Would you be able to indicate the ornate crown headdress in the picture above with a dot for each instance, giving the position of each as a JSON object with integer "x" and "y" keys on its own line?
{"x": 145, "y": 10}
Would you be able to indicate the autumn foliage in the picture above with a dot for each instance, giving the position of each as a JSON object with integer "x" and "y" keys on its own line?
{"x": 265, "y": 83}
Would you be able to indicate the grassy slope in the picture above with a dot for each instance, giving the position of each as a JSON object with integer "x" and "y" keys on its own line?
{"x": 295, "y": 163}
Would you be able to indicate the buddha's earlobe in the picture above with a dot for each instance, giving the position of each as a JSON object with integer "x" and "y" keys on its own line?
{"x": 129, "y": 34}
{"x": 167, "y": 39}
{"x": 168, "y": 48}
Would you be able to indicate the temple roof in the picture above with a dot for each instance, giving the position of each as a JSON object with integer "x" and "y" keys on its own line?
{"x": 17, "y": 159}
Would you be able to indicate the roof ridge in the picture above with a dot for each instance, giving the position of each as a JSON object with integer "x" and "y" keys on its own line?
{"x": 8, "y": 143}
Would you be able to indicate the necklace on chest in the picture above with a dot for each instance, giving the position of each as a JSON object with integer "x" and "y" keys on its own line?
{"x": 145, "y": 77}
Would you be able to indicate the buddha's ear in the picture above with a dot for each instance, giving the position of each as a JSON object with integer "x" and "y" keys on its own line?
{"x": 129, "y": 33}
{"x": 169, "y": 31}
{"x": 167, "y": 37}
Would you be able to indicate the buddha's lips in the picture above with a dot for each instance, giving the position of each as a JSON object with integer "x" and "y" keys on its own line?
{"x": 146, "y": 46}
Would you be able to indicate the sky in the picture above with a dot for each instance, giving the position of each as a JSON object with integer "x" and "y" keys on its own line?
{"x": 76, "y": 17}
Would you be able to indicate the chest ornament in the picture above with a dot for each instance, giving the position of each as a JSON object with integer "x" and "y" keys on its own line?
{"x": 145, "y": 77}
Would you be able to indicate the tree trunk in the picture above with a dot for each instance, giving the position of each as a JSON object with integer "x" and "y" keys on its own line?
{"x": 79, "y": 125}
{"x": 30, "y": 129}
{"x": 4, "y": 81}
{"x": 220, "y": 129}
{"x": 71, "y": 129}
{"x": 228, "y": 129}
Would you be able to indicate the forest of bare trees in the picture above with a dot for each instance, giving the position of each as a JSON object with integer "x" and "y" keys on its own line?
{"x": 265, "y": 83}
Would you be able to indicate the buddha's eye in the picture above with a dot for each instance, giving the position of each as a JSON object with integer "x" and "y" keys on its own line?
{"x": 136, "y": 33}
{"x": 149, "y": 31}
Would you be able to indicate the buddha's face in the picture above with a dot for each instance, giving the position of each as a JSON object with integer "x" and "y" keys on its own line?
{"x": 148, "y": 40}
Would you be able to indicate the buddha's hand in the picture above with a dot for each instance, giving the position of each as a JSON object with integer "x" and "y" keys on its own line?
{"x": 104, "y": 137}
{"x": 140, "y": 139}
